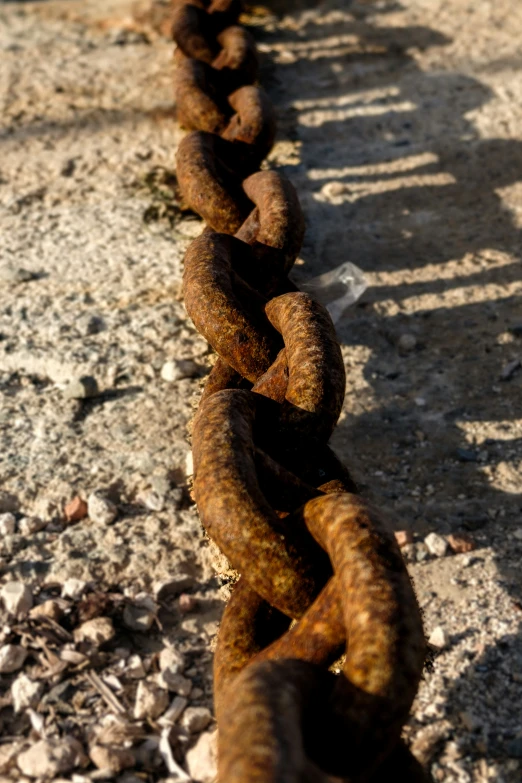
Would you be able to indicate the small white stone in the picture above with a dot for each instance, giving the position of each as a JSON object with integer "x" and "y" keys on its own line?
{"x": 438, "y": 638}
{"x": 172, "y": 715}
{"x": 153, "y": 501}
{"x": 437, "y": 545}
{"x": 7, "y": 524}
{"x": 171, "y": 660}
{"x": 17, "y": 598}
{"x": 101, "y": 509}
{"x": 50, "y": 757}
{"x": 177, "y": 369}
{"x": 12, "y": 658}
{"x": 151, "y": 700}
{"x": 73, "y": 588}
{"x": 202, "y": 758}
{"x": 189, "y": 464}
{"x": 134, "y": 667}
{"x": 195, "y": 719}
{"x": 25, "y": 692}
{"x": 96, "y": 631}
{"x": 29, "y": 525}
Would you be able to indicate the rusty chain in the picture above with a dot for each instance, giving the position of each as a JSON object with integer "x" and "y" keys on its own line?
{"x": 322, "y": 579}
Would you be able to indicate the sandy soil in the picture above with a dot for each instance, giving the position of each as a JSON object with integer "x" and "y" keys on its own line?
{"x": 401, "y": 126}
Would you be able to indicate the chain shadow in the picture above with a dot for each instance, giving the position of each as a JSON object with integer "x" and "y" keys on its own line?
{"x": 395, "y": 176}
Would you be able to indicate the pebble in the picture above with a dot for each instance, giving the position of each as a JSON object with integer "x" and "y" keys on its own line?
{"x": 151, "y": 700}
{"x": 12, "y": 658}
{"x": 25, "y": 692}
{"x": 97, "y": 631}
{"x": 461, "y": 543}
{"x": 421, "y": 552}
{"x": 138, "y": 618}
{"x": 50, "y": 757}
{"x": 518, "y": 534}
{"x": 202, "y": 758}
{"x": 195, "y": 719}
{"x": 153, "y": 501}
{"x": 403, "y": 537}
{"x": 177, "y": 369}
{"x": 50, "y": 608}
{"x": 17, "y": 598}
{"x": 30, "y": 525}
{"x": 438, "y": 638}
{"x": 407, "y": 343}
{"x": 175, "y": 683}
{"x": 134, "y": 668}
{"x": 75, "y": 510}
{"x": 101, "y": 509}
{"x": 186, "y": 603}
{"x": 174, "y": 712}
{"x": 7, "y": 524}
{"x": 73, "y": 588}
{"x": 81, "y": 388}
{"x": 437, "y": 545}
{"x": 111, "y": 758}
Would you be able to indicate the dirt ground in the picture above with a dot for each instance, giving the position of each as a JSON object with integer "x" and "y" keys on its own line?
{"x": 400, "y": 124}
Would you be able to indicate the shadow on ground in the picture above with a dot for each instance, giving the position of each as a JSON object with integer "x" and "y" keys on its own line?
{"x": 395, "y": 177}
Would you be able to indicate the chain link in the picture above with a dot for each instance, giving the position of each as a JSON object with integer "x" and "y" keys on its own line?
{"x": 321, "y": 573}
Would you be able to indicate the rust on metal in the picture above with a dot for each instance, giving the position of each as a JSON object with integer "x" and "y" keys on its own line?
{"x": 320, "y": 572}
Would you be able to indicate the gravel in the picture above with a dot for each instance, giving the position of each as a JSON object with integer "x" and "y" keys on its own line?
{"x": 400, "y": 125}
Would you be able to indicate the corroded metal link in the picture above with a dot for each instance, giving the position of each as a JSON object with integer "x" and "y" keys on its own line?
{"x": 199, "y": 105}
{"x": 316, "y": 378}
{"x": 386, "y": 647}
{"x": 277, "y": 555}
{"x": 253, "y": 124}
{"x": 275, "y": 228}
{"x": 237, "y": 59}
{"x": 385, "y": 652}
{"x": 211, "y": 187}
{"x": 227, "y": 312}
{"x": 195, "y": 33}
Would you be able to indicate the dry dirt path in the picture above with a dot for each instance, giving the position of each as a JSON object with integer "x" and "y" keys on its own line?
{"x": 401, "y": 126}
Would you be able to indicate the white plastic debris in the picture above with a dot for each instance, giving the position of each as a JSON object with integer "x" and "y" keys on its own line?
{"x": 337, "y": 289}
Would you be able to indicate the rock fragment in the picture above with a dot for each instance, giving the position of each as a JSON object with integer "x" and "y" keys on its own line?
{"x": 73, "y": 588}
{"x": 111, "y": 758}
{"x": 403, "y": 537}
{"x": 101, "y": 509}
{"x": 140, "y": 616}
{"x": 12, "y": 657}
{"x": 25, "y": 692}
{"x": 177, "y": 369}
{"x": 406, "y": 343}
{"x": 438, "y": 638}
{"x": 437, "y": 545}
{"x": 81, "y": 388}
{"x": 30, "y": 525}
{"x": 75, "y": 510}
{"x": 7, "y": 524}
{"x": 151, "y": 700}
{"x": 16, "y": 598}
{"x": 50, "y": 757}
{"x": 461, "y": 543}
{"x": 202, "y": 758}
{"x": 195, "y": 719}
{"x": 174, "y": 712}
{"x": 50, "y": 608}
{"x": 97, "y": 631}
